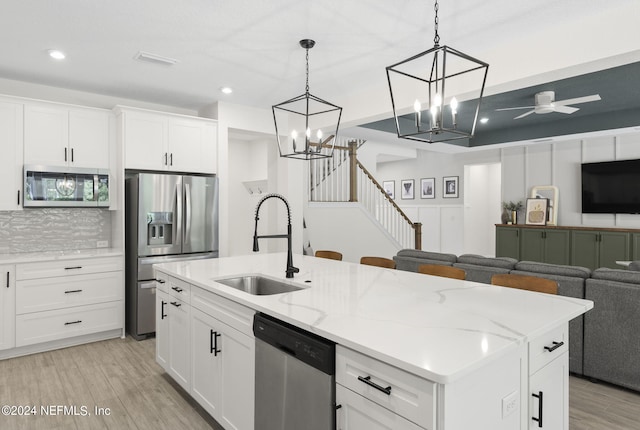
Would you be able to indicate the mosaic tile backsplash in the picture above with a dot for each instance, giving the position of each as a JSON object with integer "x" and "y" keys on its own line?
{"x": 53, "y": 229}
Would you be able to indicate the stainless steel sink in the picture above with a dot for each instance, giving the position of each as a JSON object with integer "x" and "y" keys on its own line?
{"x": 258, "y": 285}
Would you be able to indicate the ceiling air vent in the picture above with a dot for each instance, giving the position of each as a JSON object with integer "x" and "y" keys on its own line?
{"x": 155, "y": 58}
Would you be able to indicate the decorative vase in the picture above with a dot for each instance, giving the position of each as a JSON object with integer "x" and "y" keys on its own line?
{"x": 514, "y": 217}
{"x": 505, "y": 216}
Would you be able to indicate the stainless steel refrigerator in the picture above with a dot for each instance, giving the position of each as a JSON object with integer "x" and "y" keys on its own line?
{"x": 168, "y": 218}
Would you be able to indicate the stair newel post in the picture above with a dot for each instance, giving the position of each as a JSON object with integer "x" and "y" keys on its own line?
{"x": 353, "y": 172}
{"x": 417, "y": 230}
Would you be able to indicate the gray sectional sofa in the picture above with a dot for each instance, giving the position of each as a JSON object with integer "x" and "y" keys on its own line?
{"x": 481, "y": 269}
{"x": 604, "y": 343}
{"x": 612, "y": 327}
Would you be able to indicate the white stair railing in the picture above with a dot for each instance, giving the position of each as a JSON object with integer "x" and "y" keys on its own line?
{"x": 343, "y": 179}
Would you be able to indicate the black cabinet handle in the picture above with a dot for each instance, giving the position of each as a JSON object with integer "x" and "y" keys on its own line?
{"x": 18, "y": 197}
{"x": 7, "y": 279}
{"x": 72, "y": 291}
{"x": 539, "y": 419}
{"x": 171, "y": 159}
{"x": 179, "y": 290}
{"x": 73, "y": 268}
{"x": 162, "y": 314}
{"x": 65, "y": 155}
{"x": 555, "y": 346}
{"x": 73, "y": 322}
{"x": 176, "y": 304}
{"x": 338, "y": 407}
{"x": 165, "y": 158}
{"x": 213, "y": 342}
{"x": 367, "y": 380}
{"x": 72, "y": 155}
{"x": 160, "y": 281}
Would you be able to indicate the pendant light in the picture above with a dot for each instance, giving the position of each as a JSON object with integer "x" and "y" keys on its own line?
{"x": 424, "y": 88}
{"x": 306, "y": 125}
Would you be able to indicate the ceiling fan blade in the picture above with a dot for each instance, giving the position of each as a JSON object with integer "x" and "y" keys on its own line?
{"x": 514, "y": 108}
{"x": 525, "y": 114}
{"x": 565, "y": 109}
{"x": 577, "y": 100}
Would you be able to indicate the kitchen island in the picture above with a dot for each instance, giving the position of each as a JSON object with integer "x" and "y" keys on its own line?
{"x": 463, "y": 354}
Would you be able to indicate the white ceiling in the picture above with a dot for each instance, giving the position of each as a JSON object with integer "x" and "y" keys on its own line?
{"x": 252, "y": 45}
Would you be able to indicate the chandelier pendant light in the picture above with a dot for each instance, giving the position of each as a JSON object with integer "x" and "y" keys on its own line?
{"x": 423, "y": 92}
{"x": 306, "y": 125}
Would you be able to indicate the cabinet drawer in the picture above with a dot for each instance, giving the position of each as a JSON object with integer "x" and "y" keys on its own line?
{"x": 49, "y": 269}
{"x": 556, "y": 340}
{"x": 179, "y": 289}
{"x": 162, "y": 281}
{"x": 356, "y": 412}
{"x": 63, "y": 323}
{"x": 37, "y": 295}
{"x": 407, "y": 395}
{"x": 231, "y": 313}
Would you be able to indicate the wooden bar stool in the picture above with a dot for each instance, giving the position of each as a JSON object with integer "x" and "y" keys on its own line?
{"x": 525, "y": 282}
{"x": 444, "y": 271}
{"x": 378, "y": 261}
{"x": 332, "y": 255}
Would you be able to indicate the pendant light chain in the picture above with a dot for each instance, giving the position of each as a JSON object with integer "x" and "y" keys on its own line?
{"x": 436, "y": 39}
{"x": 307, "y": 87}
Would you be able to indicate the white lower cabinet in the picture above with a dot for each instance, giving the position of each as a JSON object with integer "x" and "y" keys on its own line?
{"x": 162, "y": 328}
{"x": 7, "y": 307}
{"x": 356, "y": 412}
{"x": 371, "y": 394}
{"x": 206, "y": 344}
{"x": 62, "y": 299}
{"x": 223, "y": 371}
{"x": 549, "y": 395}
{"x": 179, "y": 344}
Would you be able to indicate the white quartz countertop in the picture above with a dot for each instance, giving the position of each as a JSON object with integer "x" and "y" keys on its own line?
{"x": 438, "y": 328}
{"x": 32, "y": 257}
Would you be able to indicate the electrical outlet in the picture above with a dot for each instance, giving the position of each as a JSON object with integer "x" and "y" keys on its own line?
{"x": 102, "y": 244}
{"x": 510, "y": 404}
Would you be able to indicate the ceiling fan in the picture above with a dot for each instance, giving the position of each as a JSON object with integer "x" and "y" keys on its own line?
{"x": 545, "y": 103}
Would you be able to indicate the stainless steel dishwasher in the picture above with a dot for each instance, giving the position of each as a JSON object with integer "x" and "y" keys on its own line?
{"x": 295, "y": 377}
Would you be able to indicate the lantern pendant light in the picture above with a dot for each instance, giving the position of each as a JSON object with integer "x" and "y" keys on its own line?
{"x": 306, "y": 125}
{"x": 427, "y": 89}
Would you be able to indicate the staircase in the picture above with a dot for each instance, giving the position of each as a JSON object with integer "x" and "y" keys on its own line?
{"x": 343, "y": 178}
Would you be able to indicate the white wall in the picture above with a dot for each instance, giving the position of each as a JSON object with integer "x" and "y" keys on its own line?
{"x": 348, "y": 229}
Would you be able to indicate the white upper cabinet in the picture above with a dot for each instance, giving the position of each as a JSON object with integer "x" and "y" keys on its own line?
{"x": 59, "y": 135}
{"x": 161, "y": 141}
{"x": 11, "y": 159}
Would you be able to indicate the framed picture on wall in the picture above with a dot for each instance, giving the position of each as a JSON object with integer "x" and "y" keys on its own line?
{"x": 428, "y": 188}
{"x": 536, "y": 211}
{"x": 450, "y": 187}
{"x": 390, "y": 188}
{"x": 407, "y": 192}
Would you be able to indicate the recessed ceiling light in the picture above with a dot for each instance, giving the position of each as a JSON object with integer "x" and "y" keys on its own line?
{"x": 58, "y": 55}
{"x": 484, "y": 120}
{"x": 226, "y": 90}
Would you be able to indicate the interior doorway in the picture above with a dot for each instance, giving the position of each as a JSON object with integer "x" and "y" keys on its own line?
{"x": 482, "y": 207}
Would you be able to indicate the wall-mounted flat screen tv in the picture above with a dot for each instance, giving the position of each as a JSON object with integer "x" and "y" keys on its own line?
{"x": 611, "y": 187}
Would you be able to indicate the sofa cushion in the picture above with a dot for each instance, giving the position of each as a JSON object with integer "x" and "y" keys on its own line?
{"x": 479, "y": 260}
{"x": 635, "y": 265}
{"x": 411, "y": 259}
{"x": 553, "y": 269}
{"x": 617, "y": 275}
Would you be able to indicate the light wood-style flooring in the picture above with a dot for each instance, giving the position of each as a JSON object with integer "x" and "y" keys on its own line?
{"x": 122, "y": 375}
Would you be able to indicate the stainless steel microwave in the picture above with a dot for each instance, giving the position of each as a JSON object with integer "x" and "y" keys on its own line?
{"x": 46, "y": 186}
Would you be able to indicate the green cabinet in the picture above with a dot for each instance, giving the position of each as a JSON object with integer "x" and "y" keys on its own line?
{"x": 508, "y": 242}
{"x": 545, "y": 245}
{"x": 593, "y": 249}
{"x": 635, "y": 246}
